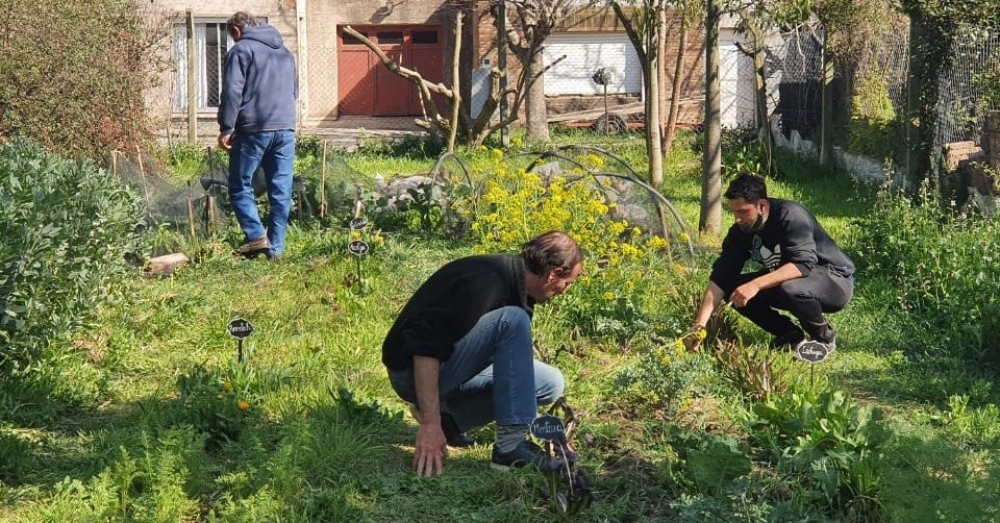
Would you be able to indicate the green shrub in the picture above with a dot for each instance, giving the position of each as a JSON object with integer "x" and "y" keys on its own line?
{"x": 67, "y": 228}
{"x": 217, "y": 404}
{"x": 77, "y": 91}
{"x": 873, "y": 130}
{"x": 939, "y": 261}
{"x": 517, "y": 205}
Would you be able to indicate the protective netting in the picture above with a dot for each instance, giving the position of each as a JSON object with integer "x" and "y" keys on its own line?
{"x": 192, "y": 207}
{"x": 961, "y": 106}
{"x": 324, "y": 189}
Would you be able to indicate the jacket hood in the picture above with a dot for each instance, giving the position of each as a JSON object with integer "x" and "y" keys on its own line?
{"x": 264, "y": 34}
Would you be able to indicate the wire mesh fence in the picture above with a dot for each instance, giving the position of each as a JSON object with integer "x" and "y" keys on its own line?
{"x": 877, "y": 84}
{"x": 962, "y": 106}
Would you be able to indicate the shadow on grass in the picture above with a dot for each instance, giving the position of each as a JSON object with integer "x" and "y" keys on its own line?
{"x": 322, "y": 463}
{"x": 929, "y": 479}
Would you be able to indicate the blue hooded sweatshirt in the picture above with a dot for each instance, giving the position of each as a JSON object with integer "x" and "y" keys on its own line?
{"x": 260, "y": 85}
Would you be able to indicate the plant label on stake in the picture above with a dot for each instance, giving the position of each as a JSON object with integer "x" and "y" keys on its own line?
{"x": 548, "y": 428}
{"x": 358, "y": 248}
{"x": 239, "y": 329}
{"x": 812, "y": 352}
{"x": 358, "y": 223}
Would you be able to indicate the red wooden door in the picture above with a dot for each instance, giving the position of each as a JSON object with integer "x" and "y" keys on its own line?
{"x": 368, "y": 88}
{"x": 356, "y": 77}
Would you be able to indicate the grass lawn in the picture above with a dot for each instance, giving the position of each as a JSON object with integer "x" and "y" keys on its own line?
{"x": 130, "y": 425}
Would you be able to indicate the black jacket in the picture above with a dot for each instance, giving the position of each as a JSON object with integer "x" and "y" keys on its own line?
{"x": 450, "y": 302}
{"x": 791, "y": 234}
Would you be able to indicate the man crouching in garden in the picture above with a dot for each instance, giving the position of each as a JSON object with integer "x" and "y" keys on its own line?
{"x": 461, "y": 350}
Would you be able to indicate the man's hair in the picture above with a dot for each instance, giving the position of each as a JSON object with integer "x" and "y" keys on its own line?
{"x": 747, "y": 186}
{"x": 242, "y": 19}
{"x": 552, "y": 250}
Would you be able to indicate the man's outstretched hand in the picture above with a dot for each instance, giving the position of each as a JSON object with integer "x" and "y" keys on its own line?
{"x": 430, "y": 450}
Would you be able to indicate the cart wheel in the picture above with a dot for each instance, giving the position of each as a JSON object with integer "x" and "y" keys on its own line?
{"x": 610, "y": 124}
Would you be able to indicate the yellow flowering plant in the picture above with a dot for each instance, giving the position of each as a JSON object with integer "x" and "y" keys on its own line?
{"x": 517, "y": 205}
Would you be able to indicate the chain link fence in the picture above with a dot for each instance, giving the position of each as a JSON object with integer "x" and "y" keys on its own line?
{"x": 962, "y": 106}
{"x": 877, "y": 86}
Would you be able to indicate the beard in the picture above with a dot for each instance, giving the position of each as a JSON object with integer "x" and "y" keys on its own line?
{"x": 754, "y": 227}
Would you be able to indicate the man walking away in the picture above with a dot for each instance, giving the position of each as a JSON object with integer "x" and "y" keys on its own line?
{"x": 257, "y": 121}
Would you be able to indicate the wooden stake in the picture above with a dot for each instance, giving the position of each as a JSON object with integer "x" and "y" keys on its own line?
{"x": 322, "y": 184}
{"x": 211, "y": 211}
{"x": 194, "y": 236}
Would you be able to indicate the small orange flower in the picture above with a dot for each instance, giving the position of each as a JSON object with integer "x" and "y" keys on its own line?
{"x": 243, "y": 405}
{"x": 226, "y": 386}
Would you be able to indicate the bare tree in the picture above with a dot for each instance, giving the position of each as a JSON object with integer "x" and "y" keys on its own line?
{"x": 689, "y": 14}
{"x": 529, "y": 23}
{"x": 644, "y": 27}
{"x": 459, "y": 123}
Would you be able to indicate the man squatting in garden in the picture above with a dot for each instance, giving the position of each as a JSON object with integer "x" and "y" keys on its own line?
{"x": 802, "y": 270}
{"x": 461, "y": 350}
{"x": 257, "y": 119}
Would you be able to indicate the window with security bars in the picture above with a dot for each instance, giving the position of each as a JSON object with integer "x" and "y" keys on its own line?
{"x": 211, "y": 42}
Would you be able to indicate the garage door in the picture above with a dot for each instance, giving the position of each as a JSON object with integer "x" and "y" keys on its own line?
{"x": 368, "y": 88}
{"x": 736, "y": 82}
{"x": 585, "y": 54}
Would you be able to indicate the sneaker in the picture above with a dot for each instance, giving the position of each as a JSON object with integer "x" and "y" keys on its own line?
{"x": 788, "y": 339}
{"x": 828, "y": 338}
{"x": 254, "y": 247}
{"x": 525, "y": 454}
{"x": 452, "y": 434}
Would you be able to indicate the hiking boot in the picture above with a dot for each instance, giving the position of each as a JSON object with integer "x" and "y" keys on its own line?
{"x": 525, "y": 454}
{"x": 789, "y": 339}
{"x": 452, "y": 434}
{"x": 254, "y": 247}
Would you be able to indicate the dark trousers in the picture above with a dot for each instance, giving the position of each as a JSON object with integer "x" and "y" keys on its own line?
{"x": 805, "y": 298}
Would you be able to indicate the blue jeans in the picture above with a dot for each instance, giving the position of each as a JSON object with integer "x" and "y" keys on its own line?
{"x": 492, "y": 375}
{"x": 274, "y": 151}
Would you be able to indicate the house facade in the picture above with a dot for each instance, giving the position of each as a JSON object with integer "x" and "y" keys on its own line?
{"x": 339, "y": 76}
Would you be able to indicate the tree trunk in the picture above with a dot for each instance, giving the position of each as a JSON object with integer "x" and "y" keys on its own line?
{"x": 710, "y": 219}
{"x": 763, "y": 122}
{"x": 653, "y": 121}
{"x": 760, "y": 96}
{"x": 536, "y": 115}
{"x": 826, "y": 126}
{"x": 675, "y": 91}
{"x": 914, "y": 108}
{"x": 661, "y": 73}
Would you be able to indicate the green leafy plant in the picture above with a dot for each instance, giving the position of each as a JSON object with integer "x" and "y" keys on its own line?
{"x": 873, "y": 130}
{"x": 833, "y": 446}
{"x": 709, "y": 462}
{"x": 220, "y": 404}
{"x": 754, "y": 371}
{"x": 979, "y": 426}
{"x": 937, "y": 259}
{"x": 68, "y": 229}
